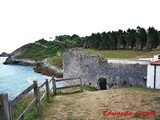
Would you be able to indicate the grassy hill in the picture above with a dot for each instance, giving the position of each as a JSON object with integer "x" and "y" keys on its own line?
{"x": 40, "y": 50}
{"x": 124, "y": 54}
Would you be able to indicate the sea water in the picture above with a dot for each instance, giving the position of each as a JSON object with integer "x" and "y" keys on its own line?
{"x": 16, "y": 78}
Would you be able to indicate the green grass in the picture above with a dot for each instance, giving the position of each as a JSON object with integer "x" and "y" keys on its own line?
{"x": 143, "y": 89}
{"x": 24, "y": 102}
{"x": 56, "y": 61}
{"x": 121, "y": 53}
{"x": 75, "y": 90}
{"x": 40, "y": 50}
{"x": 21, "y": 105}
{"x": 89, "y": 88}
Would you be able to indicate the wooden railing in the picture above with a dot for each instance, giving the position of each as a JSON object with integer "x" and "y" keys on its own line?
{"x": 64, "y": 87}
{"x": 6, "y": 106}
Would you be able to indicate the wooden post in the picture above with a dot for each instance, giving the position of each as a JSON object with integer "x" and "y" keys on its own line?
{"x": 106, "y": 84}
{"x": 47, "y": 89}
{"x": 37, "y": 97}
{"x": 5, "y": 108}
{"x": 80, "y": 78}
{"x": 54, "y": 85}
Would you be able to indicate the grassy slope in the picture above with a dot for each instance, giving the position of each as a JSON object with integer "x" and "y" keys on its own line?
{"x": 90, "y": 105}
{"x": 40, "y": 50}
{"x": 118, "y": 54}
{"x": 48, "y": 49}
{"x": 56, "y": 61}
{"x": 24, "y": 102}
{"x": 122, "y": 53}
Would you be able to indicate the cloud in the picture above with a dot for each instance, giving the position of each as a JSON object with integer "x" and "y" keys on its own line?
{"x": 28, "y": 20}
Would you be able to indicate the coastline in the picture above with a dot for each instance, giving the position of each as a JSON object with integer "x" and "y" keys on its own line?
{"x": 45, "y": 68}
{"x": 41, "y": 67}
{"x": 24, "y": 62}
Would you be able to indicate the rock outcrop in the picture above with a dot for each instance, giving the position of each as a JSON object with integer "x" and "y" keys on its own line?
{"x": 40, "y": 66}
{"x": 4, "y": 54}
{"x": 14, "y": 59}
{"x": 44, "y": 68}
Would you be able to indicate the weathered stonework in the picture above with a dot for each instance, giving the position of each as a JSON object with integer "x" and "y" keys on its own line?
{"x": 91, "y": 68}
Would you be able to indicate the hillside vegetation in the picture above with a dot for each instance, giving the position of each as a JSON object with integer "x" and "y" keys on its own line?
{"x": 124, "y": 54}
{"x": 53, "y": 50}
{"x": 40, "y": 50}
{"x": 131, "y": 39}
{"x": 112, "y": 44}
{"x": 139, "y": 39}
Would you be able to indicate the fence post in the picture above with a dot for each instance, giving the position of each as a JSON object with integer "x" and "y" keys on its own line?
{"x": 80, "y": 78}
{"x": 47, "y": 89}
{"x": 54, "y": 85}
{"x": 5, "y": 108}
{"x": 37, "y": 97}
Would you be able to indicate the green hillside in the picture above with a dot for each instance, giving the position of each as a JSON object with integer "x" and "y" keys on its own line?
{"x": 124, "y": 54}
{"x": 40, "y": 50}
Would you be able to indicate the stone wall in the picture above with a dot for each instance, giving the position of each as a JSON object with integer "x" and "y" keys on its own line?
{"x": 91, "y": 68}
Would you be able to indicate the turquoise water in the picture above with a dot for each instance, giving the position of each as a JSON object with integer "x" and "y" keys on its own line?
{"x": 15, "y": 78}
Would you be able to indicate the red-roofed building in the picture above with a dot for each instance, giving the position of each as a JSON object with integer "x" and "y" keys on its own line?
{"x": 156, "y": 57}
{"x": 155, "y": 62}
{"x": 153, "y": 73}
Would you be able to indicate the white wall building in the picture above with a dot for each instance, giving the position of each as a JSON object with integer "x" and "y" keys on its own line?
{"x": 153, "y": 73}
{"x": 156, "y": 57}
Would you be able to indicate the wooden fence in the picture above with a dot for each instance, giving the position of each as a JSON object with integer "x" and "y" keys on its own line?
{"x": 6, "y": 106}
{"x": 64, "y": 87}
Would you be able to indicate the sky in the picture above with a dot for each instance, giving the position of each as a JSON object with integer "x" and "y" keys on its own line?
{"x": 25, "y": 21}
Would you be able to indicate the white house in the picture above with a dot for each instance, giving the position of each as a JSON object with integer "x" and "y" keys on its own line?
{"x": 156, "y": 57}
{"x": 153, "y": 73}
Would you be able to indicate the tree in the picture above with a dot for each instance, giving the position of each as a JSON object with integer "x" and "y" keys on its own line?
{"x": 112, "y": 40}
{"x": 159, "y": 38}
{"x": 96, "y": 38}
{"x": 104, "y": 41}
{"x": 137, "y": 39}
{"x": 142, "y": 36}
{"x": 76, "y": 40}
{"x": 152, "y": 38}
{"x": 131, "y": 35}
{"x": 119, "y": 38}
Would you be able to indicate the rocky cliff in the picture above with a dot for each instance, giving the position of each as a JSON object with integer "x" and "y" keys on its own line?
{"x": 14, "y": 59}
{"x": 4, "y": 54}
{"x": 44, "y": 68}
{"x": 25, "y": 62}
{"x": 33, "y": 54}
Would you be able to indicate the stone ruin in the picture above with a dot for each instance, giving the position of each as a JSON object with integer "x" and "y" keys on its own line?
{"x": 97, "y": 72}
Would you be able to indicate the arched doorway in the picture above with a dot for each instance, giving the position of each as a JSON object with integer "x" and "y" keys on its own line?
{"x": 102, "y": 83}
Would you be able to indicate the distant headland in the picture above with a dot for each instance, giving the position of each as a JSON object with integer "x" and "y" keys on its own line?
{"x": 4, "y": 54}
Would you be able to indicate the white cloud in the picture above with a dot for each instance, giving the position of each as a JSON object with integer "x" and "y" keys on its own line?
{"x": 25, "y": 21}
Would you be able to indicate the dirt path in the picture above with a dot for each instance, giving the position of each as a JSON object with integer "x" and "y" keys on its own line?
{"x": 91, "y": 105}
